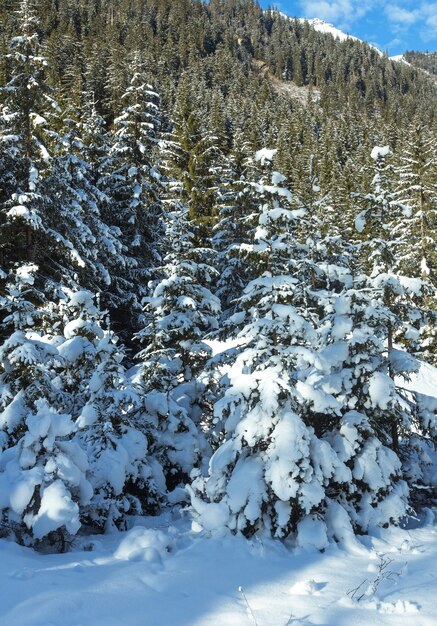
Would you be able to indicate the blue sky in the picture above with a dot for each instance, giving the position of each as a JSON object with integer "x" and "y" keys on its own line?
{"x": 394, "y": 25}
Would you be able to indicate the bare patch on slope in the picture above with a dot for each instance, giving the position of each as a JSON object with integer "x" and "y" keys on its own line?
{"x": 287, "y": 88}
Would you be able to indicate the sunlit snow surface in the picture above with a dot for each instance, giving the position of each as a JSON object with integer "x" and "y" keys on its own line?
{"x": 161, "y": 573}
{"x": 160, "y": 577}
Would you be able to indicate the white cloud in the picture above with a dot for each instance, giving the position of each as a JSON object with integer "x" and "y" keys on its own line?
{"x": 400, "y": 16}
{"x": 429, "y": 11}
{"x": 406, "y": 14}
{"x": 341, "y": 13}
{"x": 397, "y": 41}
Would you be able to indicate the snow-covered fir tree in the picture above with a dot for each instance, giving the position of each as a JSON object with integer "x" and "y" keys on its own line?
{"x": 417, "y": 191}
{"x": 24, "y": 345}
{"x": 382, "y": 226}
{"x": 28, "y": 136}
{"x": 310, "y": 412}
{"x": 349, "y": 397}
{"x": 42, "y": 472}
{"x": 82, "y": 209}
{"x": 94, "y": 141}
{"x": 25, "y": 138}
{"x": 107, "y": 409}
{"x": 133, "y": 185}
{"x": 236, "y": 212}
{"x": 178, "y": 316}
{"x": 271, "y": 470}
{"x": 405, "y": 301}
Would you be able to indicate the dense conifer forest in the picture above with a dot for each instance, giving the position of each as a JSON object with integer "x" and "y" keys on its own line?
{"x": 175, "y": 175}
{"x": 425, "y": 60}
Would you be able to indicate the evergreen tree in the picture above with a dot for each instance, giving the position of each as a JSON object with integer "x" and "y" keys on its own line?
{"x": 94, "y": 144}
{"x": 178, "y": 316}
{"x": 26, "y": 137}
{"x": 236, "y": 208}
{"x": 32, "y": 200}
{"x": 24, "y": 344}
{"x": 271, "y": 470}
{"x": 309, "y": 402}
{"x": 78, "y": 205}
{"x": 193, "y": 157}
{"x": 133, "y": 185}
{"x": 384, "y": 246}
{"x": 42, "y": 471}
{"x": 107, "y": 412}
{"x": 417, "y": 191}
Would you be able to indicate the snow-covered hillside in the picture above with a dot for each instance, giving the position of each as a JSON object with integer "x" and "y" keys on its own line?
{"x": 324, "y": 27}
{"x": 399, "y": 58}
{"x": 161, "y": 572}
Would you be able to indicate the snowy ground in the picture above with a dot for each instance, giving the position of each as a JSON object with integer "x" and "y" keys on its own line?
{"x": 162, "y": 574}
{"x": 133, "y": 579}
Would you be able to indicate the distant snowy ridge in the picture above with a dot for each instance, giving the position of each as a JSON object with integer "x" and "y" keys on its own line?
{"x": 329, "y": 29}
{"x": 399, "y": 58}
{"x": 324, "y": 27}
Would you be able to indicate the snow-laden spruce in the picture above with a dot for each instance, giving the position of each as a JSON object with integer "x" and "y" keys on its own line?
{"x": 350, "y": 399}
{"x": 401, "y": 311}
{"x": 237, "y": 212}
{"x": 417, "y": 256}
{"x": 387, "y": 230}
{"x": 27, "y": 354}
{"x": 272, "y": 470}
{"x": 178, "y": 315}
{"x": 74, "y": 441}
{"x": 36, "y": 186}
{"x": 109, "y": 419}
{"x": 94, "y": 245}
{"x": 416, "y": 191}
{"x": 42, "y": 472}
{"x": 132, "y": 182}
{"x": 42, "y": 478}
{"x": 307, "y": 397}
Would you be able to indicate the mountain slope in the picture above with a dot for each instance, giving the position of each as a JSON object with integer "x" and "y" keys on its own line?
{"x": 324, "y": 27}
{"x": 426, "y": 61}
